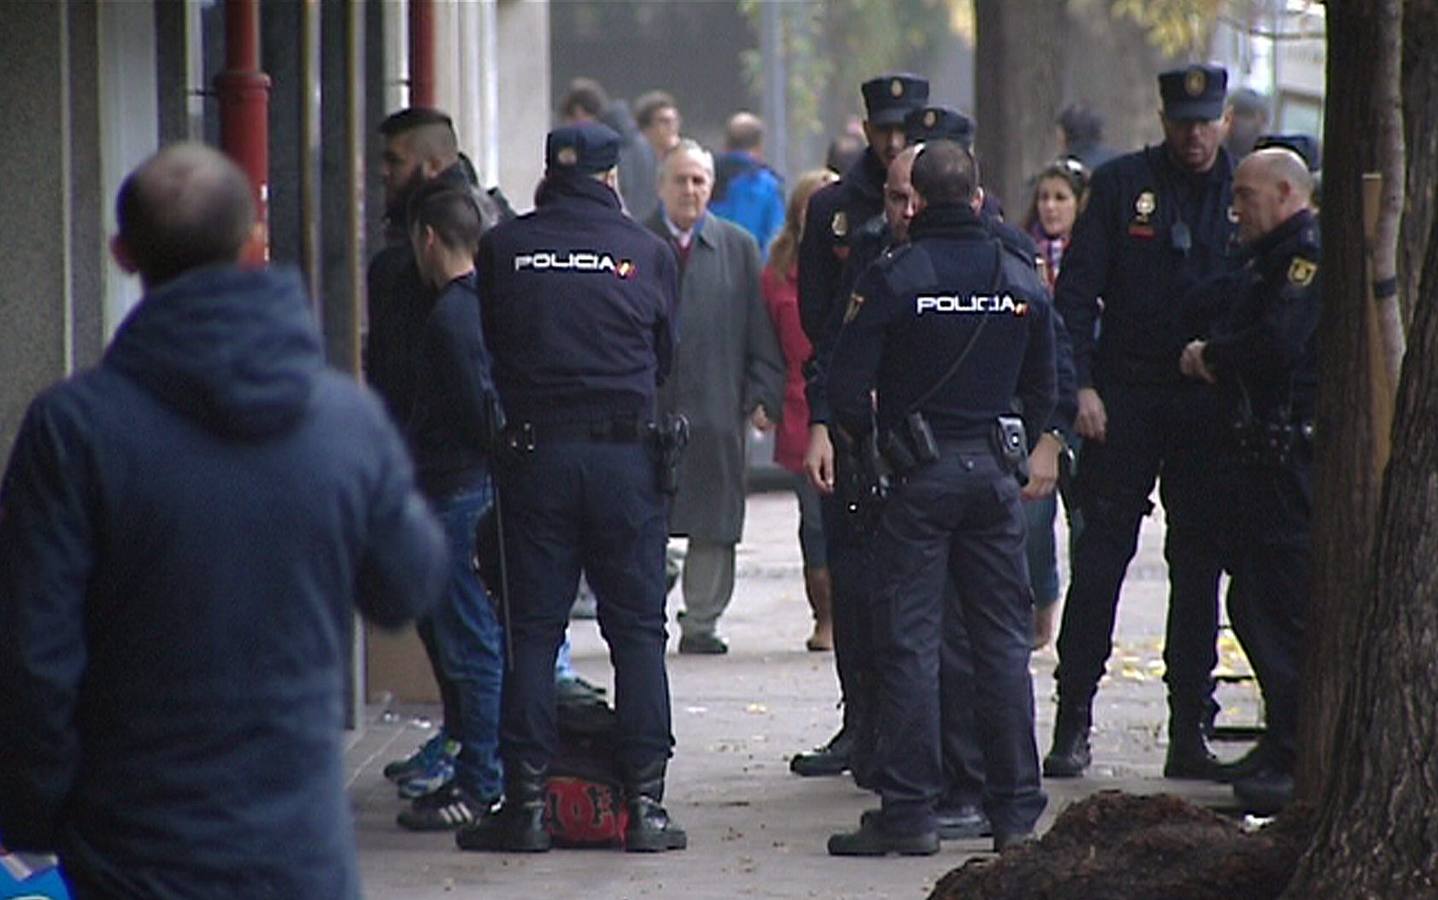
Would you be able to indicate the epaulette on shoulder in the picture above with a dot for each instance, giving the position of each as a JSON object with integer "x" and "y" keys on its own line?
{"x": 906, "y": 266}
{"x": 893, "y": 256}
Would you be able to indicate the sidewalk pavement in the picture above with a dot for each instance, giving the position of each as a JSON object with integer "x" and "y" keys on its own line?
{"x": 755, "y": 830}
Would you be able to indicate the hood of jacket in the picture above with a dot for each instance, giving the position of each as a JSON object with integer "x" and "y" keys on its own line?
{"x": 235, "y": 350}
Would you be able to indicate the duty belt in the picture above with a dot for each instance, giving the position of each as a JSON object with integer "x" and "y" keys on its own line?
{"x": 626, "y": 429}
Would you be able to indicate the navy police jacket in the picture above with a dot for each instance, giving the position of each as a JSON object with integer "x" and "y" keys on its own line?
{"x": 578, "y": 307}
{"x": 1266, "y": 340}
{"x": 183, "y": 533}
{"x": 843, "y": 235}
{"x": 1151, "y": 231}
{"x": 916, "y": 309}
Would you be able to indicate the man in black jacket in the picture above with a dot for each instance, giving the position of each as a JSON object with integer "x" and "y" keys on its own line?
{"x": 840, "y": 241}
{"x": 578, "y": 311}
{"x": 956, "y": 298}
{"x": 449, "y": 433}
{"x": 1157, "y": 223}
{"x": 183, "y": 531}
{"x": 1263, "y": 355}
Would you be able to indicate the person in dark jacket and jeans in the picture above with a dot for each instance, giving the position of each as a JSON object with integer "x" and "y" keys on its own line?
{"x": 449, "y": 431}
{"x": 183, "y": 532}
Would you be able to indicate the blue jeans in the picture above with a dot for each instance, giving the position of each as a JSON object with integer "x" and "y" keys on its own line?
{"x": 1040, "y": 549}
{"x": 470, "y": 645}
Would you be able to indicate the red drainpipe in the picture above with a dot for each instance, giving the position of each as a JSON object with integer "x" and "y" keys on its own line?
{"x": 244, "y": 95}
{"x": 421, "y": 53}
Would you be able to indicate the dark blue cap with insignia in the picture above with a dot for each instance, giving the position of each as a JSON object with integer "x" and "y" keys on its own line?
{"x": 888, "y": 98}
{"x": 1193, "y": 92}
{"x": 939, "y": 123}
{"x": 584, "y": 148}
{"x": 1302, "y": 144}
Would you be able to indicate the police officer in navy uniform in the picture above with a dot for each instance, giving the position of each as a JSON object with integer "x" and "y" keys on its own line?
{"x": 957, "y": 300}
{"x": 1262, "y": 354}
{"x": 832, "y": 256}
{"x": 1156, "y": 223}
{"x": 578, "y": 307}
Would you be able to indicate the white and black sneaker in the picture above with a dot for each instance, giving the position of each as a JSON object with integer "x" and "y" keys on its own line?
{"x": 446, "y": 809}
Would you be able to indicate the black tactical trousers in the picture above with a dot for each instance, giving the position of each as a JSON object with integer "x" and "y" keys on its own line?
{"x": 1171, "y": 433}
{"x": 1271, "y": 561}
{"x": 849, "y": 550}
{"x": 957, "y": 519}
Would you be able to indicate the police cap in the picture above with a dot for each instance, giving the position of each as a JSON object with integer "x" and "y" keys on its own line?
{"x": 888, "y": 98}
{"x": 939, "y": 123}
{"x": 1193, "y": 92}
{"x": 1302, "y": 144}
{"x": 584, "y": 148}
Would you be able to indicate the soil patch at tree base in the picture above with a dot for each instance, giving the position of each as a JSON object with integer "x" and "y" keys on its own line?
{"x": 1120, "y": 845}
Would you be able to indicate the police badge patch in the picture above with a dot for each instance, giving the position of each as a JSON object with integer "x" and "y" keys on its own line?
{"x": 1301, "y": 271}
{"x": 855, "y": 301}
{"x": 839, "y": 224}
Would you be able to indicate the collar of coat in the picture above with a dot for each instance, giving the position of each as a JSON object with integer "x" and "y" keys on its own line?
{"x": 701, "y": 231}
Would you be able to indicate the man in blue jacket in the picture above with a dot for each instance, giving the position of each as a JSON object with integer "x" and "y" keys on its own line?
{"x": 746, "y": 191}
{"x": 183, "y": 532}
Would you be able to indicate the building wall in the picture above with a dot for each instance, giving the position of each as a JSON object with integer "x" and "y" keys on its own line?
{"x": 81, "y": 76}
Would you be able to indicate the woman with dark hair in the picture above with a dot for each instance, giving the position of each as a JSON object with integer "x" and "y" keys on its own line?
{"x": 1059, "y": 194}
{"x": 780, "y": 285}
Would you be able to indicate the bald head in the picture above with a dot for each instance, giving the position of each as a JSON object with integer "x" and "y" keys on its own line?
{"x": 899, "y": 193}
{"x": 745, "y": 131}
{"x": 185, "y": 207}
{"x": 1269, "y": 186}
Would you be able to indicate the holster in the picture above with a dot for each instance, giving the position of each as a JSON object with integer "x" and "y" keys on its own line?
{"x": 861, "y": 477}
{"x": 909, "y": 447}
{"x": 667, "y": 440}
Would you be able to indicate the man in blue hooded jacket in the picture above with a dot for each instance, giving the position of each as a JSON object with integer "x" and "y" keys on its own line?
{"x": 183, "y": 532}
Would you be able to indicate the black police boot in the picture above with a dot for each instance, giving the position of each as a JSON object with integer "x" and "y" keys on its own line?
{"x": 830, "y": 759}
{"x": 954, "y": 823}
{"x": 518, "y": 825}
{"x": 1188, "y": 754}
{"x": 650, "y": 830}
{"x": 1266, "y": 791}
{"x": 1247, "y": 765}
{"x": 1070, "y": 754}
{"x": 872, "y": 840}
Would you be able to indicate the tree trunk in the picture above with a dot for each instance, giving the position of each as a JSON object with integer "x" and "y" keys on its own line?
{"x": 1376, "y": 836}
{"x": 1350, "y": 449}
{"x": 1018, "y": 70}
{"x": 1420, "y": 129}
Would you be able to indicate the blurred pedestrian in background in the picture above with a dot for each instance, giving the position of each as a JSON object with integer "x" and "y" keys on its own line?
{"x": 746, "y": 191}
{"x": 1248, "y": 120}
{"x": 658, "y": 116}
{"x": 728, "y": 370}
{"x": 1080, "y": 135}
{"x": 1059, "y": 193}
{"x": 781, "y": 296}
{"x": 586, "y": 100}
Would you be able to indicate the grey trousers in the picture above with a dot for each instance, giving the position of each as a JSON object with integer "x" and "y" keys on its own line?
{"x": 708, "y": 584}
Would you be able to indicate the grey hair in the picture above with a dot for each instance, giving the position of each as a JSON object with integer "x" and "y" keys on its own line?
{"x": 694, "y": 149}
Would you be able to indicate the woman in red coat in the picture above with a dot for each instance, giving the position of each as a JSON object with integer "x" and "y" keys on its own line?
{"x": 780, "y": 282}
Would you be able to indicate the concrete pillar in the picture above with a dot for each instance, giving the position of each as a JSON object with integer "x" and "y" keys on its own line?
{"x": 49, "y": 292}
{"x": 523, "y": 41}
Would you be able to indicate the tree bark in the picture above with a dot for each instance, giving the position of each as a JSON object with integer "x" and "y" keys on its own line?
{"x": 1420, "y": 130}
{"x": 1376, "y": 836}
{"x": 1350, "y": 449}
{"x": 1018, "y": 68}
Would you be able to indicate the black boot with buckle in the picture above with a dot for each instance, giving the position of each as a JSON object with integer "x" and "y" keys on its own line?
{"x": 518, "y": 825}
{"x": 650, "y": 830}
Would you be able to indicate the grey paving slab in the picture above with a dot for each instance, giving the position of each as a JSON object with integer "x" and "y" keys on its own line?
{"x": 755, "y": 830}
